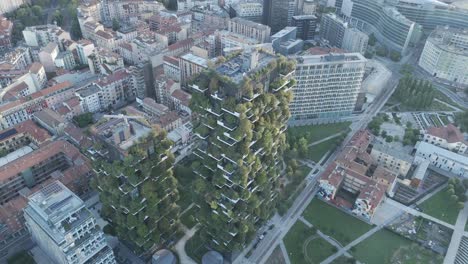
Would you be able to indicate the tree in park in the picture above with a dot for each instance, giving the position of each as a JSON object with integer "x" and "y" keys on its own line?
{"x": 372, "y": 40}
{"x": 115, "y": 24}
{"x": 395, "y": 55}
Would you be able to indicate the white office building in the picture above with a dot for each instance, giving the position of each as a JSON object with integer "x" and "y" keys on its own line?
{"x": 442, "y": 159}
{"x": 327, "y": 86}
{"x": 64, "y": 228}
{"x": 355, "y": 40}
{"x": 445, "y": 54}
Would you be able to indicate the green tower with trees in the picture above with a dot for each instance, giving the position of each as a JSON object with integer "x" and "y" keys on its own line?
{"x": 139, "y": 194}
{"x": 241, "y": 110}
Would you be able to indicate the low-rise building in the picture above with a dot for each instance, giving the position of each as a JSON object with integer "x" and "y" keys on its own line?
{"x": 390, "y": 157}
{"x": 358, "y": 173}
{"x": 442, "y": 159}
{"x": 447, "y": 137}
{"x": 50, "y": 120}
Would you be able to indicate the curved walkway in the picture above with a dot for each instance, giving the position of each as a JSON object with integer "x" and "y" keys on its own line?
{"x": 180, "y": 246}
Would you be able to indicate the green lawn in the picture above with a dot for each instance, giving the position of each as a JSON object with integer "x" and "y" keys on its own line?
{"x": 335, "y": 223}
{"x": 386, "y": 247}
{"x": 316, "y": 132}
{"x": 316, "y": 152}
{"x": 440, "y": 207}
{"x": 195, "y": 247}
{"x": 343, "y": 260}
{"x": 304, "y": 246}
{"x": 21, "y": 258}
{"x": 187, "y": 218}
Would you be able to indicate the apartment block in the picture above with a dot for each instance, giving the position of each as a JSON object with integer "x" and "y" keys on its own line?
{"x": 40, "y": 36}
{"x": 356, "y": 172}
{"x": 440, "y": 158}
{"x": 391, "y": 157}
{"x": 190, "y": 65}
{"x": 328, "y": 84}
{"x": 448, "y": 137}
{"x": 249, "y": 29}
{"x": 64, "y": 228}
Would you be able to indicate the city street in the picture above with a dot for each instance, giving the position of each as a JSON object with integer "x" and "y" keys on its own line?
{"x": 282, "y": 225}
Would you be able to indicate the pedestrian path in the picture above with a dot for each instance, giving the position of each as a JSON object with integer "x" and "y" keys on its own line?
{"x": 457, "y": 235}
{"x": 325, "y": 139}
{"x": 180, "y": 246}
{"x": 285, "y": 253}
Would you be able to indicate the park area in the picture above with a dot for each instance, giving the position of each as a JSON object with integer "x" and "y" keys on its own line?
{"x": 440, "y": 207}
{"x": 314, "y": 141}
{"x": 314, "y": 133}
{"x": 386, "y": 247}
{"x": 305, "y": 246}
{"x": 331, "y": 221}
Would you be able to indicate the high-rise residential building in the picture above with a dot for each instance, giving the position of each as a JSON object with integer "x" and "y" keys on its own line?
{"x": 306, "y": 26}
{"x": 190, "y": 65}
{"x": 355, "y": 40}
{"x": 445, "y": 54}
{"x": 328, "y": 84}
{"x": 249, "y": 29}
{"x": 278, "y": 14}
{"x": 64, "y": 228}
{"x": 139, "y": 192}
{"x": 332, "y": 29}
{"x": 243, "y": 105}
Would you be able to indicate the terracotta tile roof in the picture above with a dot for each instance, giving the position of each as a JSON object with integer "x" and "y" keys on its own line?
{"x": 168, "y": 118}
{"x": 115, "y": 77}
{"x": 172, "y": 60}
{"x": 27, "y": 161}
{"x": 104, "y": 34}
{"x": 181, "y": 44}
{"x": 76, "y": 135}
{"x": 450, "y": 133}
{"x": 36, "y": 132}
{"x": 126, "y": 46}
{"x": 35, "y": 67}
{"x": 73, "y": 102}
{"x": 182, "y": 96}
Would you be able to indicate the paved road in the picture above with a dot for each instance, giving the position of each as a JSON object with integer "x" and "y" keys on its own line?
{"x": 457, "y": 235}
